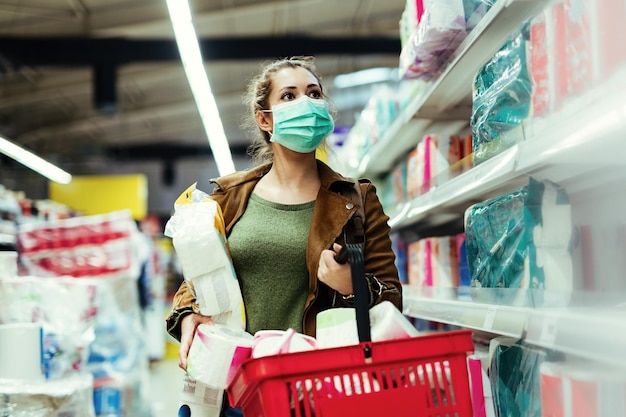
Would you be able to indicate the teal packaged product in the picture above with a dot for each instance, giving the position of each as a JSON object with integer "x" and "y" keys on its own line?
{"x": 475, "y": 10}
{"x": 501, "y": 98}
{"x": 514, "y": 377}
{"x": 520, "y": 241}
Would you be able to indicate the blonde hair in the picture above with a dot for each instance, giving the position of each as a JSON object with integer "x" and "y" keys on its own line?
{"x": 257, "y": 98}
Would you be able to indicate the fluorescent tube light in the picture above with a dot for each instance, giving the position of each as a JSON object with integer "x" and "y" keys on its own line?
{"x": 34, "y": 162}
{"x": 189, "y": 50}
{"x": 366, "y": 76}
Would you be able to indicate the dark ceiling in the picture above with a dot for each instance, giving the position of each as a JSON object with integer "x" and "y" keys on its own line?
{"x": 101, "y": 78}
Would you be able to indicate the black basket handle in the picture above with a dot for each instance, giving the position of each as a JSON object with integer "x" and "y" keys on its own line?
{"x": 353, "y": 251}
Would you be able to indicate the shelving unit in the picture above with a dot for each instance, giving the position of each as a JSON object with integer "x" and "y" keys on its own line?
{"x": 449, "y": 97}
{"x": 584, "y": 135}
{"x": 580, "y": 147}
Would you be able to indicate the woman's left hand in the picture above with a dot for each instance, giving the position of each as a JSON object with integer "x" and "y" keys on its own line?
{"x": 337, "y": 276}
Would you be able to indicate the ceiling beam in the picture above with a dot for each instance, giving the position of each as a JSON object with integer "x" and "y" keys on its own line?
{"x": 81, "y": 51}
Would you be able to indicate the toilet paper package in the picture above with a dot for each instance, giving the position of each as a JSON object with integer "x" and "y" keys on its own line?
{"x": 8, "y": 264}
{"x": 72, "y": 396}
{"x": 520, "y": 242}
{"x": 273, "y": 342}
{"x": 199, "y": 400}
{"x": 21, "y": 351}
{"x": 216, "y": 353}
{"x": 337, "y": 326}
{"x": 199, "y": 238}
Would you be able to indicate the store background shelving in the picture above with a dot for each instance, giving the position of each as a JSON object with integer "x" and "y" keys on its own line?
{"x": 445, "y": 105}
{"x": 580, "y": 146}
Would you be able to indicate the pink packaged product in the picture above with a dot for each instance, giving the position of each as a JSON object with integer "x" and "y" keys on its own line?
{"x": 439, "y": 32}
{"x": 541, "y": 64}
{"x": 580, "y": 390}
{"x": 608, "y": 31}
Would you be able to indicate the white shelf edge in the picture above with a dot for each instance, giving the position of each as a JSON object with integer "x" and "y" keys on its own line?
{"x": 561, "y": 329}
{"x": 502, "y": 320}
{"x": 599, "y": 335}
{"x": 454, "y": 84}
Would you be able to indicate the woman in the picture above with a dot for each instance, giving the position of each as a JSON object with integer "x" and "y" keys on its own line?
{"x": 284, "y": 216}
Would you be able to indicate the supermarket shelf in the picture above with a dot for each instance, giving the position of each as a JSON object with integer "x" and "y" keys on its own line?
{"x": 585, "y": 135}
{"x": 453, "y": 88}
{"x": 592, "y": 332}
{"x": 446, "y": 308}
{"x": 598, "y": 334}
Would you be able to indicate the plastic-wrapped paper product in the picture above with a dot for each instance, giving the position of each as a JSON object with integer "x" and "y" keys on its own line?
{"x": 216, "y": 353}
{"x": 337, "y": 326}
{"x": 475, "y": 10}
{"x": 514, "y": 377}
{"x": 577, "y": 389}
{"x": 198, "y": 235}
{"x": 439, "y": 32}
{"x": 64, "y": 307}
{"x": 101, "y": 245}
{"x": 501, "y": 98}
{"x": 521, "y": 240}
{"x": 71, "y": 396}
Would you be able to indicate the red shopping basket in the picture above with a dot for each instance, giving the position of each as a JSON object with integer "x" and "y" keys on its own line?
{"x": 421, "y": 376}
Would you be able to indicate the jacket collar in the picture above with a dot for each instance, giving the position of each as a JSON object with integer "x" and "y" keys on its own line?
{"x": 328, "y": 177}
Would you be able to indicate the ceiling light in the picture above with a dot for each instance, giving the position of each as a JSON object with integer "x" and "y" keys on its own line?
{"x": 366, "y": 76}
{"x": 34, "y": 162}
{"x": 189, "y": 50}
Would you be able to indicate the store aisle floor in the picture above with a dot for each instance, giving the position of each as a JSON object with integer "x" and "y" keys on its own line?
{"x": 165, "y": 384}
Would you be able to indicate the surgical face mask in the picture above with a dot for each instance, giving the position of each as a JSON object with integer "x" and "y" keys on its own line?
{"x": 302, "y": 124}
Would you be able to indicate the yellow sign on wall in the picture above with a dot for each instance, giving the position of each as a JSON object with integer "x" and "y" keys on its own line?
{"x": 91, "y": 195}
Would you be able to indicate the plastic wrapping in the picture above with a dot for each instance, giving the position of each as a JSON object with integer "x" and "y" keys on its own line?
{"x": 68, "y": 397}
{"x": 501, "y": 98}
{"x": 65, "y": 308}
{"x": 475, "y": 10}
{"x": 439, "y": 32}
{"x": 87, "y": 246}
{"x": 514, "y": 377}
{"x": 521, "y": 240}
{"x": 198, "y": 234}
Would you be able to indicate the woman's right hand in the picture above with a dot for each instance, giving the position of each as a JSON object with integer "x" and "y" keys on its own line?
{"x": 187, "y": 331}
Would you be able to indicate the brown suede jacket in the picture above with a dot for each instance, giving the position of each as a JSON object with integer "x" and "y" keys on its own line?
{"x": 332, "y": 211}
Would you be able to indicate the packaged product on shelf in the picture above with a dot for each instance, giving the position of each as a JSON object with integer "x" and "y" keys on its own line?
{"x": 438, "y": 32}
{"x": 21, "y": 351}
{"x": 608, "y": 45}
{"x": 501, "y": 98}
{"x": 482, "y": 398}
{"x": 64, "y": 308}
{"x": 574, "y": 388}
{"x": 573, "y": 48}
{"x": 199, "y": 237}
{"x": 520, "y": 241}
{"x": 542, "y": 64}
{"x": 68, "y": 397}
{"x": 87, "y": 246}
{"x": 433, "y": 262}
{"x": 475, "y": 10}
{"x": 8, "y": 264}
{"x": 399, "y": 175}
{"x": 514, "y": 377}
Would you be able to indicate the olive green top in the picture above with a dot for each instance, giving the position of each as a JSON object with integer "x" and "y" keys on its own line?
{"x": 268, "y": 245}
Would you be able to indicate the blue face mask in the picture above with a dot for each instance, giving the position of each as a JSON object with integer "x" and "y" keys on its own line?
{"x": 301, "y": 125}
